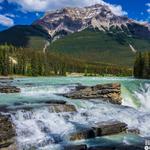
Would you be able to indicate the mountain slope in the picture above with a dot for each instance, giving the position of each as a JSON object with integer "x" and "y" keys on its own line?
{"x": 97, "y": 46}
{"x": 24, "y": 36}
{"x": 94, "y": 34}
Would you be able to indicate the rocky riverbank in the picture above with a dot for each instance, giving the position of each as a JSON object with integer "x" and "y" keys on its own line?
{"x": 9, "y": 89}
{"x": 80, "y": 132}
{"x": 7, "y": 133}
{"x": 100, "y": 129}
{"x": 106, "y": 92}
{"x": 6, "y": 87}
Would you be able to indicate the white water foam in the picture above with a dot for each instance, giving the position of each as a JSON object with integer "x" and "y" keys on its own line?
{"x": 138, "y": 99}
{"x": 46, "y": 90}
{"x": 143, "y": 94}
{"x": 42, "y": 129}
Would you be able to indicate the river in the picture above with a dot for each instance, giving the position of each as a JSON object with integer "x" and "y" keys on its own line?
{"x": 38, "y": 127}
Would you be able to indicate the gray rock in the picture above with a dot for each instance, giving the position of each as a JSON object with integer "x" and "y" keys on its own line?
{"x": 118, "y": 147}
{"x": 109, "y": 128}
{"x": 83, "y": 133}
{"x": 5, "y": 78}
{"x": 7, "y": 132}
{"x": 106, "y": 92}
{"x": 75, "y": 147}
{"x": 62, "y": 108}
{"x": 133, "y": 131}
{"x": 9, "y": 89}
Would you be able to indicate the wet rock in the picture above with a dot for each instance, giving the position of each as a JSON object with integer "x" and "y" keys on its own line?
{"x": 109, "y": 128}
{"x": 118, "y": 147}
{"x": 106, "y": 92}
{"x": 3, "y": 108}
{"x": 75, "y": 147}
{"x": 11, "y": 147}
{"x": 9, "y": 89}
{"x": 7, "y": 132}
{"x": 6, "y": 78}
{"x": 62, "y": 108}
{"x": 55, "y": 102}
{"x": 133, "y": 131}
{"x": 83, "y": 133}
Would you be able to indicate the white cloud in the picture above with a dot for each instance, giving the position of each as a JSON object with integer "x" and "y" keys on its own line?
{"x": 117, "y": 10}
{"x": 148, "y": 10}
{"x": 148, "y": 4}
{"x": 46, "y": 5}
{"x": 9, "y": 15}
{"x": 6, "y": 21}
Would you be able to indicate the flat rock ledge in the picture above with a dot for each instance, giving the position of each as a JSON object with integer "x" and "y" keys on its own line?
{"x": 116, "y": 147}
{"x": 58, "y": 108}
{"x": 7, "y": 133}
{"x": 9, "y": 89}
{"x": 106, "y": 92}
{"x": 99, "y": 129}
{"x": 52, "y": 108}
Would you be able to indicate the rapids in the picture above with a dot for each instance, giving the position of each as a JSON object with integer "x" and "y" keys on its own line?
{"x": 39, "y": 128}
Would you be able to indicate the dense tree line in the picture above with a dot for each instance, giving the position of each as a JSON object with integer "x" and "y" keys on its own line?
{"x": 142, "y": 65}
{"x": 21, "y": 61}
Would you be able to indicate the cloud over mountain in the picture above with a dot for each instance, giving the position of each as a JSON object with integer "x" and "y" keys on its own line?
{"x": 6, "y": 21}
{"x": 46, "y": 5}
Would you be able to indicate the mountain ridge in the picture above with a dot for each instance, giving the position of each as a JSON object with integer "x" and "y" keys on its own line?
{"x": 93, "y": 34}
{"x": 99, "y": 16}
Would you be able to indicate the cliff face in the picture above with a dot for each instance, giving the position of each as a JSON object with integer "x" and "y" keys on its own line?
{"x": 70, "y": 20}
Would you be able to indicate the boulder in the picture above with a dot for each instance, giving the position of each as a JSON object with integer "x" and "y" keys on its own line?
{"x": 62, "y": 108}
{"x": 133, "y": 131}
{"x": 117, "y": 147}
{"x": 97, "y": 130}
{"x": 109, "y": 128}
{"x": 82, "y": 133}
{"x": 75, "y": 147}
{"x": 6, "y": 78}
{"x": 53, "y": 108}
{"x": 54, "y": 102}
{"x": 7, "y": 132}
{"x": 9, "y": 89}
{"x": 106, "y": 92}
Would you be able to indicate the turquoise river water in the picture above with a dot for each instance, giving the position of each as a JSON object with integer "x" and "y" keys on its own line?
{"x": 38, "y": 127}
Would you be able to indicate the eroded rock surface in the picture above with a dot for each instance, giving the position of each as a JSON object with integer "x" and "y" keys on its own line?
{"x": 62, "y": 108}
{"x": 109, "y": 128}
{"x": 9, "y": 89}
{"x": 7, "y": 132}
{"x": 99, "y": 129}
{"x": 107, "y": 92}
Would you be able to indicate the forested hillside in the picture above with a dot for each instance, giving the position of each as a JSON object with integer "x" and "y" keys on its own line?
{"x": 29, "y": 62}
{"x": 142, "y": 65}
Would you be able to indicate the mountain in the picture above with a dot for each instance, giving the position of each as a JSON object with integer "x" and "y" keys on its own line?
{"x": 94, "y": 34}
{"x": 71, "y": 20}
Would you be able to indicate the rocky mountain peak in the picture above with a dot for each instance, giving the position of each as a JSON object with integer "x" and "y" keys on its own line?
{"x": 70, "y": 20}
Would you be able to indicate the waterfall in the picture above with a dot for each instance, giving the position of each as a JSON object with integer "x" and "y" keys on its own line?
{"x": 42, "y": 128}
{"x": 39, "y": 127}
{"x": 138, "y": 98}
{"x": 143, "y": 95}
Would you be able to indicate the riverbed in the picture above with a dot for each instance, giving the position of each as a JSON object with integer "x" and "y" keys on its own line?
{"x": 38, "y": 127}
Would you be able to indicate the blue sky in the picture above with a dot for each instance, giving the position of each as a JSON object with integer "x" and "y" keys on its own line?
{"x": 14, "y": 12}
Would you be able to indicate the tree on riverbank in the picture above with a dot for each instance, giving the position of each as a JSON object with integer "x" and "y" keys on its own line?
{"x": 21, "y": 61}
{"x": 142, "y": 65}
